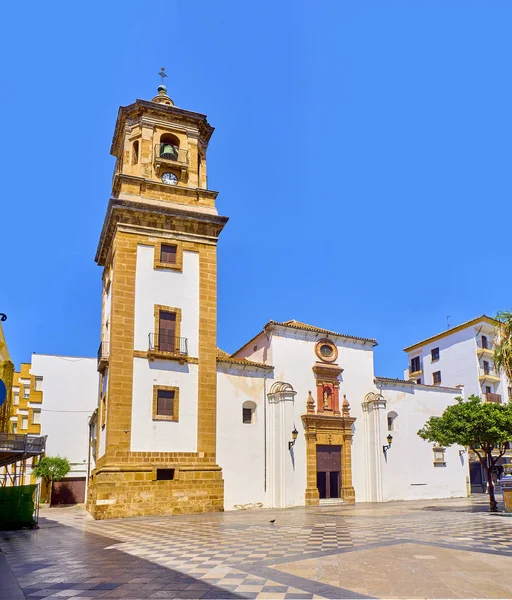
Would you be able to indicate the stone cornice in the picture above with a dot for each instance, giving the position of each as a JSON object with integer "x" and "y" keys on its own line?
{"x": 177, "y": 190}
{"x": 179, "y": 116}
{"x": 326, "y": 370}
{"x": 121, "y": 211}
{"x": 323, "y": 422}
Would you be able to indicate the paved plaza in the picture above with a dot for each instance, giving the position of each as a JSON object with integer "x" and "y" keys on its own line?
{"x": 430, "y": 549}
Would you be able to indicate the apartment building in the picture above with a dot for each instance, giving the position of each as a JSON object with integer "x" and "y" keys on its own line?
{"x": 461, "y": 356}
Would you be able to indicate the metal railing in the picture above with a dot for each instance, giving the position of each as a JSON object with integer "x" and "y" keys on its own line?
{"x": 103, "y": 351}
{"x": 20, "y": 442}
{"x": 484, "y": 344}
{"x": 488, "y": 371}
{"x": 496, "y": 398}
{"x": 172, "y": 153}
{"x": 177, "y": 346}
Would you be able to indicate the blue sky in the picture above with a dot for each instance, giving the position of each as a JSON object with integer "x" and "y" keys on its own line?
{"x": 362, "y": 152}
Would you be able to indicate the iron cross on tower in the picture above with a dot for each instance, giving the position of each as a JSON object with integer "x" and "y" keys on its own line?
{"x": 162, "y": 74}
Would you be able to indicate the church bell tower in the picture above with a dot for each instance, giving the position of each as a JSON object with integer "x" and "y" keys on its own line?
{"x": 155, "y": 446}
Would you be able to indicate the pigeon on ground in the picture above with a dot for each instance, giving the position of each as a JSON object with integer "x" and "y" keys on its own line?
{"x": 272, "y": 521}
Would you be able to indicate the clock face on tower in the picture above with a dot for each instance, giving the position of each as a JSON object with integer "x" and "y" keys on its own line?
{"x": 170, "y": 178}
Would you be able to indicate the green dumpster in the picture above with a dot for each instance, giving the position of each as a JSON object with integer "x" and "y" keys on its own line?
{"x": 18, "y": 506}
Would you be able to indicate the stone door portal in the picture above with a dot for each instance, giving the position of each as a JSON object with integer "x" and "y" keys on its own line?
{"x": 328, "y": 471}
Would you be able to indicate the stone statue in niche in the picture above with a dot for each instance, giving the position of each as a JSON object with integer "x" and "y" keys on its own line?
{"x": 327, "y": 398}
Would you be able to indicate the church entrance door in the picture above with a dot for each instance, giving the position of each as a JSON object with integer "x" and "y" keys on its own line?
{"x": 328, "y": 471}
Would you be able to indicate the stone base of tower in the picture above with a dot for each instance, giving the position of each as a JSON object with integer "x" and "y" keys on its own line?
{"x": 117, "y": 492}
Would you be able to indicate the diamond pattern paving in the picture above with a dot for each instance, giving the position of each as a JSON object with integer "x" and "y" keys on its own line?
{"x": 237, "y": 554}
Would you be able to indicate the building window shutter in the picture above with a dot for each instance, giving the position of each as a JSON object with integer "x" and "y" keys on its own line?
{"x": 165, "y": 403}
{"x": 168, "y": 254}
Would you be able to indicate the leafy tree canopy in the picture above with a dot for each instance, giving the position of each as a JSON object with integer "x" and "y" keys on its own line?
{"x": 503, "y": 348}
{"x": 473, "y": 423}
{"x": 52, "y": 468}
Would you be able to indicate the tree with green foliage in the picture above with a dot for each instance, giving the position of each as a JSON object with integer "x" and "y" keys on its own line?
{"x": 483, "y": 427}
{"x": 50, "y": 469}
{"x": 503, "y": 346}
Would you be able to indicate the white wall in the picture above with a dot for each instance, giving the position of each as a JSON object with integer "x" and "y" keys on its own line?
{"x": 178, "y": 290}
{"x": 70, "y": 396}
{"x": 293, "y": 357}
{"x": 164, "y": 436}
{"x": 169, "y": 288}
{"x": 409, "y": 472}
{"x": 259, "y": 350}
{"x": 240, "y": 446}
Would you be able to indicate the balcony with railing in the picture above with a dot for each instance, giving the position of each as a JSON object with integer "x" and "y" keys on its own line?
{"x": 415, "y": 369}
{"x": 484, "y": 346}
{"x": 167, "y": 346}
{"x": 170, "y": 155}
{"x": 488, "y": 373}
{"x": 495, "y": 398}
{"x": 103, "y": 354}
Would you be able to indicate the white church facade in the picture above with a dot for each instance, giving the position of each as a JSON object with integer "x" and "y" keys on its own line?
{"x": 294, "y": 417}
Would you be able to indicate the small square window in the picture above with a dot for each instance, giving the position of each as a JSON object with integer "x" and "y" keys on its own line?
{"x": 36, "y": 417}
{"x": 168, "y": 254}
{"x": 165, "y": 474}
{"x": 24, "y": 422}
{"x": 436, "y": 377}
{"x": 38, "y": 384}
{"x": 26, "y": 391}
{"x": 434, "y": 353}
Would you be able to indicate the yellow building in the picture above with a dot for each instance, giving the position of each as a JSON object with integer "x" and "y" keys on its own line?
{"x": 6, "y": 375}
{"x": 27, "y": 399}
{"x": 24, "y": 418}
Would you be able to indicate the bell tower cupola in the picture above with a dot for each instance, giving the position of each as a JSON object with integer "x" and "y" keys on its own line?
{"x": 160, "y": 152}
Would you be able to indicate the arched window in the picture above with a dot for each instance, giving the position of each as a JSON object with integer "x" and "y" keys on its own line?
{"x": 392, "y": 416}
{"x": 135, "y": 152}
{"x": 248, "y": 412}
{"x": 169, "y": 146}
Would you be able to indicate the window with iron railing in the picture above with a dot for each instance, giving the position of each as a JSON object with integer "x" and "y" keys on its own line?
{"x": 415, "y": 365}
{"x": 168, "y": 343}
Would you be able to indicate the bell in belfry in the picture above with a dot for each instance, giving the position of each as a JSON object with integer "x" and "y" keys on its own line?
{"x": 169, "y": 151}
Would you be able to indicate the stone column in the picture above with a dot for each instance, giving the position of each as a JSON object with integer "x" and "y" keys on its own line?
{"x": 347, "y": 489}
{"x": 312, "y": 497}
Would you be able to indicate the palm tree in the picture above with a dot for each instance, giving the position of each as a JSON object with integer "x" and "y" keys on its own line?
{"x": 503, "y": 346}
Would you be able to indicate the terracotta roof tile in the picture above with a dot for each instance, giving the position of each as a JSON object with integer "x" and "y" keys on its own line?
{"x": 244, "y": 361}
{"x": 298, "y": 325}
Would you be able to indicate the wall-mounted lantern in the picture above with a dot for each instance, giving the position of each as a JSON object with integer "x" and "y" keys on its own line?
{"x": 295, "y": 433}
{"x": 386, "y": 448}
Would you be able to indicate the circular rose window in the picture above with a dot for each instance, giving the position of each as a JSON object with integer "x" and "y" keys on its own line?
{"x": 326, "y": 351}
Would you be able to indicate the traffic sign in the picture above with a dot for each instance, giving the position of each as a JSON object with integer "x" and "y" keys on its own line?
{"x": 3, "y": 392}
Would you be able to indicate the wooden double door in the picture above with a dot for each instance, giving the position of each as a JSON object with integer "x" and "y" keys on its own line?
{"x": 328, "y": 471}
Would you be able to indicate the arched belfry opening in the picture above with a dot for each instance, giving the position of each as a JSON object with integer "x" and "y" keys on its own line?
{"x": 169, "y": 146}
